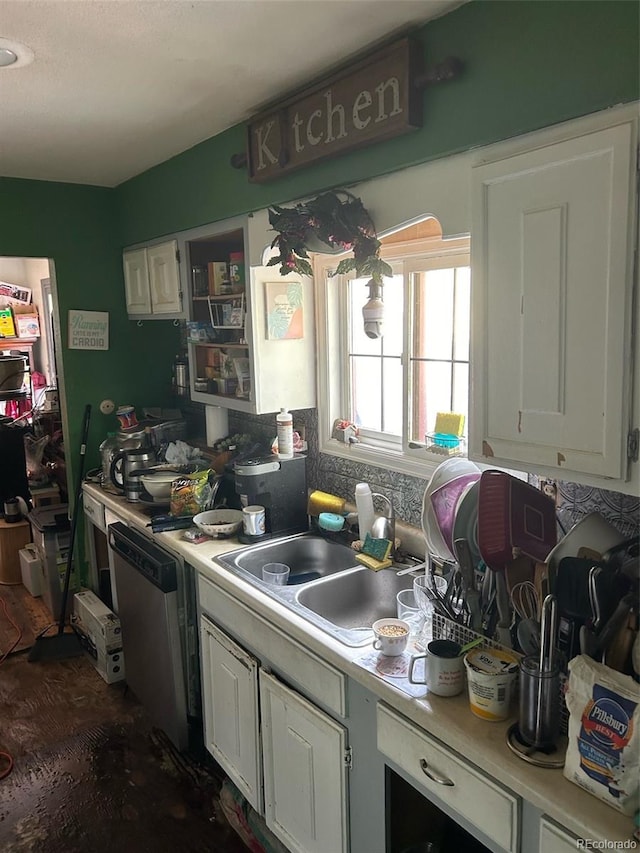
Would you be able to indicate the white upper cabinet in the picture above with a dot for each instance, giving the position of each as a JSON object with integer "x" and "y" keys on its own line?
{"x": 251, "y": 331}
{"x": 553, "y": 233}
{"x": 152, "y": 281}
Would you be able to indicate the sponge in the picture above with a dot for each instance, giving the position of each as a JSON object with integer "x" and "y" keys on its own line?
{"x": 449, "y": 423}
{"x": 372, "y": 563}
{"x": 377, "y": 548}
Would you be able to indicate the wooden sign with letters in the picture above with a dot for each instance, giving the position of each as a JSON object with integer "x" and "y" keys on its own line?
{"x": 373, "y": 100}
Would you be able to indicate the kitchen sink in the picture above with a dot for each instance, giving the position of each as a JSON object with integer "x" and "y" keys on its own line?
{"x": 327, "y": 586}
{"x": 308, "y": 556}
{"x": 355, "y": 599}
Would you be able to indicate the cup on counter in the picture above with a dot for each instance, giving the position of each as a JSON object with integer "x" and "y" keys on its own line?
{"x": 253, "y": 520}
{"x": 275, "y": 573}
{"x": 391, "y": 635}
{"x": 407, "y": 609}
{"x": 444, "y": 668}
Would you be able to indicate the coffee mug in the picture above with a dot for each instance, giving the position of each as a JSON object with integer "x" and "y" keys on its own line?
{"x": 253, "y": 520}
{"x": 391, "y": 636}
{"x": 444, "y": 668}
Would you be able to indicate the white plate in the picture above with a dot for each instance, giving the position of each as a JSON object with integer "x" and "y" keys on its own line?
{"x": 435, "y": 543}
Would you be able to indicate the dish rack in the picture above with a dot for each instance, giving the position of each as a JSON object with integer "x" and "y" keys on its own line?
{"x": 444, "y": 444}
{"x": 446, "y": 629}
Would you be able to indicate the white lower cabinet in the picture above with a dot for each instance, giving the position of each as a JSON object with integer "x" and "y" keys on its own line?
{"x": 463, "y": 789}
{"x": 231, "y": 723}
{"x": 255, "y": 726}
{"x": 554, "y": 839}
{"x": 305, "y": 771}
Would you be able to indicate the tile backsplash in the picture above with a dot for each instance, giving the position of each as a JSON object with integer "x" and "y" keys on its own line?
{"x": 338, "y": 476}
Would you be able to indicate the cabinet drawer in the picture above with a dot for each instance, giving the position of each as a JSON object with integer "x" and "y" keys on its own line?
{"x": 95, "y": 511}
{"x": 554, "y": 839}
{"x": 314, "y": 675}
{"x": 474, "y": 796}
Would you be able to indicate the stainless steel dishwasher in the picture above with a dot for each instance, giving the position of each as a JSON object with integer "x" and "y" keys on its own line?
{"x": 156, "y": 606}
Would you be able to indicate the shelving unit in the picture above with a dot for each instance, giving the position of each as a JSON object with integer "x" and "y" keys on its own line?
{"x": 23, "y": 346}
{"x": 235, "y": 361}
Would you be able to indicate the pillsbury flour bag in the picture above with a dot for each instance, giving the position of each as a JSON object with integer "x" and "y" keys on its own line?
{"x": 603, "y": 755}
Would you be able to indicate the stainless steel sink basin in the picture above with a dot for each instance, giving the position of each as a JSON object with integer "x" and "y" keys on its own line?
{"x": 327, "y": 586}
{"x": 354, "y": 599}
{"x": 308, "y": 556}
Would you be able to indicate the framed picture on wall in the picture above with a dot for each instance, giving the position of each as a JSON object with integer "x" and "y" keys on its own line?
{"x": 284, "y": 310}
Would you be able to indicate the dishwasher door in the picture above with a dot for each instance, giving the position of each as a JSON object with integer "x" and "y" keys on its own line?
{"x": 146, "y": 580}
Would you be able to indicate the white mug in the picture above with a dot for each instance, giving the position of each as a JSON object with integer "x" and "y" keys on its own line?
{"x": 391, "y": 636}
{"x": 444, "y": 668}
{"x": 253, "y": 520}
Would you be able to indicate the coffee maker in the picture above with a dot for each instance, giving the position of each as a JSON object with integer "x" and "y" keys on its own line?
{"x": 280, "y": 486}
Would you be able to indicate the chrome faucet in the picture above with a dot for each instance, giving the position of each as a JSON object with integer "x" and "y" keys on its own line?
{"x": 384, "y": 526}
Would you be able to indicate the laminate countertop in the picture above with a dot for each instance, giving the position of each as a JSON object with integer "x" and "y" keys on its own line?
{"x": 448, "y": 719}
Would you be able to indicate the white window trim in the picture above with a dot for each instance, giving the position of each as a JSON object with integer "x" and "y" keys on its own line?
{"x": 332, "y": 402}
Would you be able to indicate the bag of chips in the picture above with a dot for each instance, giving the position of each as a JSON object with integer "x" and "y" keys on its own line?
{"x": 191, "y": 494}
{"x": 603, "y": 755}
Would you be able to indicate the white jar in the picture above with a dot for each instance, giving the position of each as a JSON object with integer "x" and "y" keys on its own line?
{"x": 284, "y": 421}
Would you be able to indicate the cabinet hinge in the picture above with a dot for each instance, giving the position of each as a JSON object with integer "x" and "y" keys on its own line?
{"x": 633, "y": 440}
{"x": 178, "y": 255}
{"x": 348, "y": 758}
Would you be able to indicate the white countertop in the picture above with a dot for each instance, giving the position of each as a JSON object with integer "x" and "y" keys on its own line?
{"x": 448, "y": 719}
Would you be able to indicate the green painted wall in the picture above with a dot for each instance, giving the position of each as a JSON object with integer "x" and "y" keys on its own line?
{"x": 528, "y": 65}
{"x": 77, "y": 227}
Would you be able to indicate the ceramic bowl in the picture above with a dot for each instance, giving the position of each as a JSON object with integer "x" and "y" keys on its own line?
{"x": 219, "y": 523}
{"x": 158, "y": 484}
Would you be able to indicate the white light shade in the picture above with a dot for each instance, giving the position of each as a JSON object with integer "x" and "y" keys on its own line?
{"x": 14, "y": 54}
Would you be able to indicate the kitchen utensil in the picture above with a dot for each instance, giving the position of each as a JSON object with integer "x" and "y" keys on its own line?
{"x": 528, "y": 633}
{"x": 524, "y": 599}
{"x": 410, "y": 569}
{"x": 503, "y": 628}
{"x": 469, "y": 591}
{"x": 124, "y": 466}
{"x": 618, "y": 653}
{"x": 539, "y": 718}
{"x": 593, "y": 532}
{"x": 513, "y": 517}
{"x": 219, "y": 523}
{"x": 471, "y": 645}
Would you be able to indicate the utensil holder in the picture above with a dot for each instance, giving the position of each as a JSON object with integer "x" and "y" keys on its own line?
{"x": 539, "y": 719}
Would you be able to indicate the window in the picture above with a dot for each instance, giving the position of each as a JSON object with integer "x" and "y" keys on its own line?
{"x": 393, "y": 386}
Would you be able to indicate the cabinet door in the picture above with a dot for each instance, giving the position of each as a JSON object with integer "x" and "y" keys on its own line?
{"x": 552, "y": 288}
{"x": 554, "y": 839}
{"x": 305, "y": 775}
{"x": 230, "y": 699}
{"x": 164, "y": 278}
{"x": 136, "y": 282}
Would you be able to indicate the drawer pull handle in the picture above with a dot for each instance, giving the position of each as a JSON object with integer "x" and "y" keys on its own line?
{"x": 440, "y": 780}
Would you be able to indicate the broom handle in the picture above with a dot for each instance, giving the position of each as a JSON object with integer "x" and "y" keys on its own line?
{"x": 74, "y": 518}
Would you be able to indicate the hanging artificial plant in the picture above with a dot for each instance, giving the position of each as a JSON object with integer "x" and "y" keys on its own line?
{"x": 335, "y": 221}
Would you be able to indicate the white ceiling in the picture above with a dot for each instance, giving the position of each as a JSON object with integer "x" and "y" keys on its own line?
{"x": 118, "y": 86}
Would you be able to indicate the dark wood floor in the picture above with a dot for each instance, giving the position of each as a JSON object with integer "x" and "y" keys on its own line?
{"x": 90, "y": 773}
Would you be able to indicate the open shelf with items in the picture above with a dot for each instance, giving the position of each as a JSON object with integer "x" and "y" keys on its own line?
{"x": 236, "y": 360}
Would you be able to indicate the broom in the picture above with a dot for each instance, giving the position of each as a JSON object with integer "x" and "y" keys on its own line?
{"x": 65, "y": 645}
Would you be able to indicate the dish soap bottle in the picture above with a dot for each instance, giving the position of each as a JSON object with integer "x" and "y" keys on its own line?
{"x": 284, "y": 421}
{"x": 364, "y": 507}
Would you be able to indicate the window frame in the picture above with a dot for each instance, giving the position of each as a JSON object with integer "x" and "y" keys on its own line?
{"x": 332, "y": 363}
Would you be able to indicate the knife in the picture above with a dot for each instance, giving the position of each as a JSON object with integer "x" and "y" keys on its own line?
{"x": 503, "y": 627}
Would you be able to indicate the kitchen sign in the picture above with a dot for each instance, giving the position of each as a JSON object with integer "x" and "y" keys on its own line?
{"x": 374, "y": 100}
{"x": 89, "y": 330}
